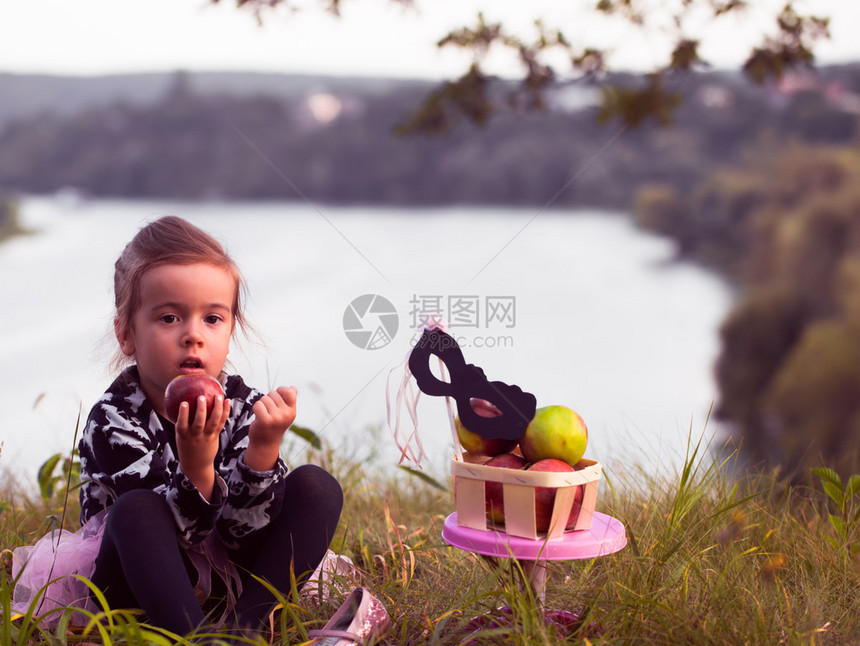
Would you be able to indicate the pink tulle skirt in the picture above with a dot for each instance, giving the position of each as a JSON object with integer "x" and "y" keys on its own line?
{"x": 45, "y": 584}
{"x": 44, "y": 572}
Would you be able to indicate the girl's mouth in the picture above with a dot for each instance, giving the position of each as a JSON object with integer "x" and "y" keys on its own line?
{"x": 191, "y": 365}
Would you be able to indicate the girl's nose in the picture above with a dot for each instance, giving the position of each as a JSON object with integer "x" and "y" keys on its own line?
{"x": 192, "y": 336}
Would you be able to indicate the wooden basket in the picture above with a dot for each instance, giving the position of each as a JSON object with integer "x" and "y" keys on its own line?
{"x": 519, "y": 496}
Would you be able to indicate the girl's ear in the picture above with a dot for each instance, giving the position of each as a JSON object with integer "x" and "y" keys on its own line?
{"x": 124, "y": 337}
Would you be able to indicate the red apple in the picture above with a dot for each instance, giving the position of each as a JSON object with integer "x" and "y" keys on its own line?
{"x": 189, "y": 388}
{"x": 545, "y": 496}
{"x": 474, "y": 443}
{"x": 494, "y": 491}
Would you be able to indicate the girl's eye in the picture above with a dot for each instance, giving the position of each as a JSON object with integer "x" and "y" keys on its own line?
{"x": 213, "y": 319}
{"x": 168, "y": 318}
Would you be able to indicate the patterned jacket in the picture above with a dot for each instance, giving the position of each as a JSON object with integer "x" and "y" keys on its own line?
{"x": 127, "y": 445}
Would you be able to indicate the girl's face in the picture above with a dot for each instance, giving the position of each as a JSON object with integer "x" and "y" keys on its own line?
{"x": 183, "y": 325}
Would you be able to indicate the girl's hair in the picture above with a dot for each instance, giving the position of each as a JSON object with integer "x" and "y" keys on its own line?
{"x": 168, "y": 241}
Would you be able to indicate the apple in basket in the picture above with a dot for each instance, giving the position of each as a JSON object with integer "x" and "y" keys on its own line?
{"x": 474, "y": 443}
{"x": 545, "y": 496}
{"x": 555, "y": 432}
{"x": 189, "y": 388}
{"x": 493, "y": 490}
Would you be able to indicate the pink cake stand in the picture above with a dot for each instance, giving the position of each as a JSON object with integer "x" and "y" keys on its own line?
{"x": 606, "y": 536}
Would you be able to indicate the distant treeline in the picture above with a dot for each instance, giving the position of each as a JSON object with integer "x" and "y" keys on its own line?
{"x": 190, "y": 143}
{"x": 786, "y": 226}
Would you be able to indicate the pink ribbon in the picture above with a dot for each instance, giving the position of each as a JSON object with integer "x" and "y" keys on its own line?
{"x": 408, "y": 394}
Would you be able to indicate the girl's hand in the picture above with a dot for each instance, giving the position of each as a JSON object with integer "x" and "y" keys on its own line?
{"x": 197, "y": 442}
{"x": 273, "y": 415}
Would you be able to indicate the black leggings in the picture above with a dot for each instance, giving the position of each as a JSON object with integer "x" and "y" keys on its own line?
{"x": 140, "y": 563}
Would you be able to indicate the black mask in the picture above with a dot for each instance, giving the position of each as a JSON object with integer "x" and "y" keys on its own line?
{"x": 467, "y": 382}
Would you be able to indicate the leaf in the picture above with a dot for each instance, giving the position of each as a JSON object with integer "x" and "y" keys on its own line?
{"x": 423, "y": 476}
{"x": 634, "y": 544}
{"x": 78, "y": 485}
{"x": 829, "y": 475}
{"x": 467, "y": 96}
{"x": 838, "y": 524}
{"x": 46, "y": 477}
{"x": 151, "y": 637}
{"x": 633, "y": 106}
{"x": 686, "y": 55}
{"x": 853, "y": 486}
{"x": 48, "y": 466}
{"x": 308, "y": 435}
{"x": 834, "y": 492}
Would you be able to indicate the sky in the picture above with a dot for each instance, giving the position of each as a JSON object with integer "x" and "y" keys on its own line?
{"x": 371, "y": 38}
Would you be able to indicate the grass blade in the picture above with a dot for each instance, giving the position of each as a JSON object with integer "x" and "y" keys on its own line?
{"x": 421, "y": 475}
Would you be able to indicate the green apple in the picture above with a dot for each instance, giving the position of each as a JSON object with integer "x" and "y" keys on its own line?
{"x": 555, "y": 432}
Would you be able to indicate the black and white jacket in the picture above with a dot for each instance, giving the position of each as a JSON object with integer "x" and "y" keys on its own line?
{"x": 127, "y": 445}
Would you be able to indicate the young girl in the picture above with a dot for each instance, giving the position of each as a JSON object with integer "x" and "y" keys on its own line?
{"x": 197, "y": 511}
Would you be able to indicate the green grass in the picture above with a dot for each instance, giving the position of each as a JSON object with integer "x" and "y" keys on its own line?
{"x": 711, "y": 559}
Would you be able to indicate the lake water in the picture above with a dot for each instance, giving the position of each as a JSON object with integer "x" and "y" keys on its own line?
{"x": 579, "y": 308}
